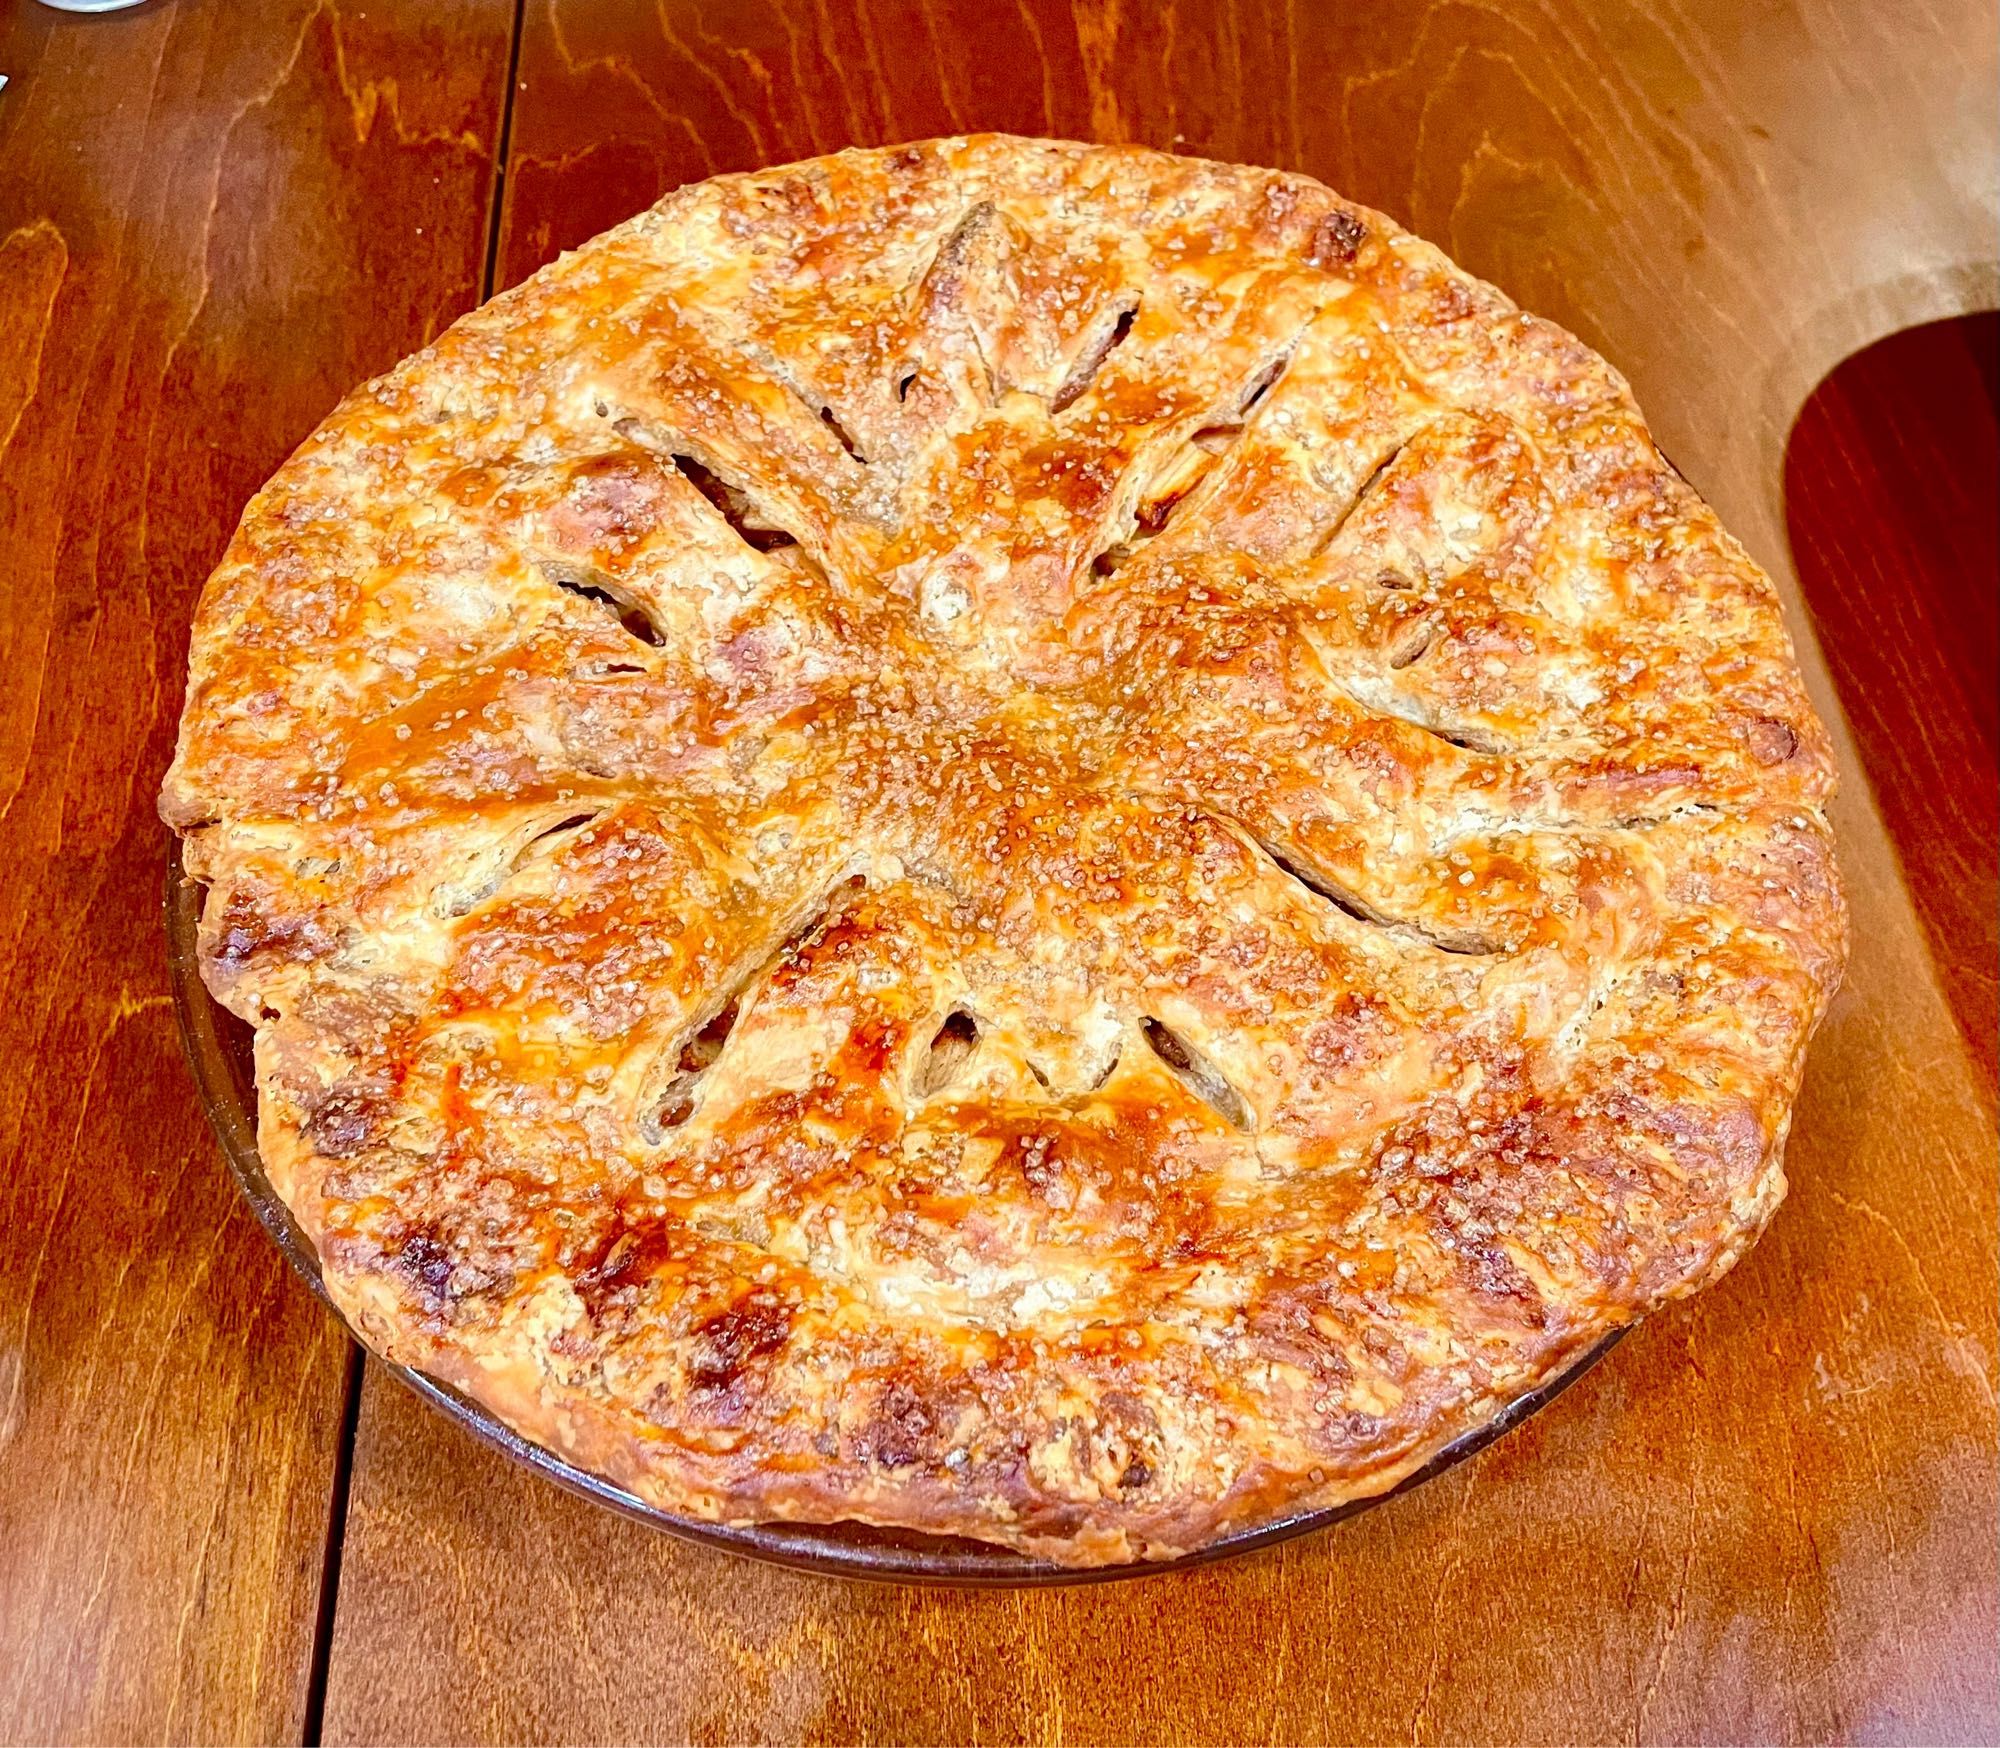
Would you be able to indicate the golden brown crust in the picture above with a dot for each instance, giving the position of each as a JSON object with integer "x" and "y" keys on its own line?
{"x": 1032, "y": 840}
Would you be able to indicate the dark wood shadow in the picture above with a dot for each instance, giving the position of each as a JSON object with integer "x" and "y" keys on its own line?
{"x": 1890, "y": 502}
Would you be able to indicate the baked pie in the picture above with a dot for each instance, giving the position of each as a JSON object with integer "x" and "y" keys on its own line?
{"x": 1033, "y": 841}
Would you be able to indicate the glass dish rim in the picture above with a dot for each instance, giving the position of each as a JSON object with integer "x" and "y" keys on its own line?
{"x": 841, "y": 1550}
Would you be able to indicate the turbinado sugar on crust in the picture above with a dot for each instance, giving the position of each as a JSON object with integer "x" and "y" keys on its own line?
{"x": 1036, "y": 841}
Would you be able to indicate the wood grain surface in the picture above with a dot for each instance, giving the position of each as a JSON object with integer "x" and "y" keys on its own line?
{"x": 207, "y": 234}
{"x": 1753, "y": 1522}
{"x": 1889, "y": 493}
{"x": 1769, "y": 1516}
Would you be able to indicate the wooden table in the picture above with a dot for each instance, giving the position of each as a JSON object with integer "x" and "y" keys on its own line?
{"x": 1770, "y": 1515}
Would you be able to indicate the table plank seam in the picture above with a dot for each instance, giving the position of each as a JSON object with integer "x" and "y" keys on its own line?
{"x": 336, "y": 1537}
{"x": 498, "y": 200}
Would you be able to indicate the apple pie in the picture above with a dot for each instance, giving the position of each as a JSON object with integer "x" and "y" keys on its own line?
{"x": 1033, "y": 841}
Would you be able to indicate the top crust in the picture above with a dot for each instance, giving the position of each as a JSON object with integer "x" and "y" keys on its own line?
{"x": 1030, "y": 840}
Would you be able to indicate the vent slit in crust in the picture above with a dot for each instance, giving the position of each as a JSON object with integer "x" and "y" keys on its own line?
{"x": 1411, "y": 642}
{"x": 1084, "y": 371}
{"x": 1179, "y": 480}
{"x": 973, "y": 257}
{"x": 1351, "y": 903}
{"x": 589, "y": 584}
{"x": 674, "y": 1103}
{"x": 1258, "y": 390}
{"x": 464, "y": 894}
{"x": 1194, "y": 1071}
{"x": 544, "y": 842}
{"x": 736, "y": 506}
{"x": 833, "y": 424}
{"x": 668, "y": 1103}
{"x": 1471, "y": 740}
{"x": 1366, "y": 693}
{"x": 949, "y": 1052}
{"x": 1361, "y": 495}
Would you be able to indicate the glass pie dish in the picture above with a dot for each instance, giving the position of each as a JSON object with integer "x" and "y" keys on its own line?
{"x": 218, "y": 1049}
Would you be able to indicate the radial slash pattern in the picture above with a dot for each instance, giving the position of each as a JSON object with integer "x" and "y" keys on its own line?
{"x": 1035, "y": 841}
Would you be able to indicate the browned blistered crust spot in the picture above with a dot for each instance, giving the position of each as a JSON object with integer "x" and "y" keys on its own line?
{"x": 1031, "y": 840}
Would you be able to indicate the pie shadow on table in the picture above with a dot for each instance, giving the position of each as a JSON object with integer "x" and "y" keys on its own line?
{"x": 219, "y": 1051}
